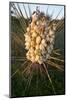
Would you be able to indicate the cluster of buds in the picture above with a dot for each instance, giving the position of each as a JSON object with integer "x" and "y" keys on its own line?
{"x": 39, "y": 38}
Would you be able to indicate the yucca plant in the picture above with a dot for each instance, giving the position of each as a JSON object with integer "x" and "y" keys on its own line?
{"x": 36, "y": 52}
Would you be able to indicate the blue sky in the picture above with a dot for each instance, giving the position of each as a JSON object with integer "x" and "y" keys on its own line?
{"x": 51, "y": 8}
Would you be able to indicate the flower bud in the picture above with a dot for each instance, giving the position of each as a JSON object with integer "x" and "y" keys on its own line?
{"x": 37, "y": 47}
{"x": 38, "y": 39}
{"x": 34, "y": 34}
{"x": 36, "y": 58}
{"x": 28, "y": 29}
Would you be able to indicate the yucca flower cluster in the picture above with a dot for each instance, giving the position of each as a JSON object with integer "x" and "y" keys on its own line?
{"x": 39, "y": 38}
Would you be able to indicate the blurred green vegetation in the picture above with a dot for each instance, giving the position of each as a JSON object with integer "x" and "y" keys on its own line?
{"x": 40, "y": 85}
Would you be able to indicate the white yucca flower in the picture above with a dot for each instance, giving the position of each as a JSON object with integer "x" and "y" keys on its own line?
{"x": 39, "y": 39}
